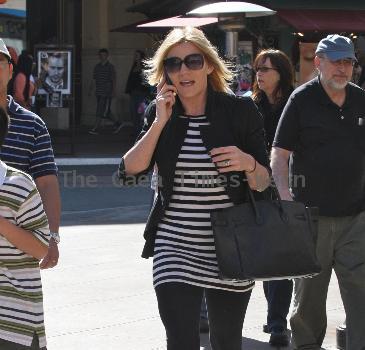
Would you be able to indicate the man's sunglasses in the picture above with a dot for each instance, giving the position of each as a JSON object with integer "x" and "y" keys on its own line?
{"x": 194, "y": 61}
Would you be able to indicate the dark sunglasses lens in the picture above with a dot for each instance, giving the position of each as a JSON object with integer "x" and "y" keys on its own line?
{"x": 194, "y": 61}
{"x": 172, "y": 64}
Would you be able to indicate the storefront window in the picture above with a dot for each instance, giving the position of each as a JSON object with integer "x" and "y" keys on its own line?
{"x": 13, "y": 24}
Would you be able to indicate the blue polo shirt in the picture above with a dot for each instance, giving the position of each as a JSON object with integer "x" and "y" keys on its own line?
{"x": 27, "y": 146}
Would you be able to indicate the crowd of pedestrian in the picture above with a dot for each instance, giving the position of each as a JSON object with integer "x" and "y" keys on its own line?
{"x": 196, "y": 129}
{"x": 316, "y": 130}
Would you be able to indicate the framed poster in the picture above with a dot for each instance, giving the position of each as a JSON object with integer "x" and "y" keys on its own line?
{"x": 54, "y": 70}
{"x": 54, "y": 99}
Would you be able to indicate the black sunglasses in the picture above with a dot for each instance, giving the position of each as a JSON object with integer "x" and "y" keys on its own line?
{"x": 195, "y": 61}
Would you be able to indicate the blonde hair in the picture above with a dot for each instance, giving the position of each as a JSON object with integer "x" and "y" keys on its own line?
{"x": 221, "y": 74}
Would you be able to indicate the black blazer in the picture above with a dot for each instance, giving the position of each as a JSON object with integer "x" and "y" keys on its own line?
{"x": 233, "y": 121}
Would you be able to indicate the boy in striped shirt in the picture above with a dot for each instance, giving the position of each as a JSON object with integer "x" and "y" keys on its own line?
{"x": 24, "y": 238}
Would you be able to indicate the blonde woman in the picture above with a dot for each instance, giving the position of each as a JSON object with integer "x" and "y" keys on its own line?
{"x": 208, "y": 146}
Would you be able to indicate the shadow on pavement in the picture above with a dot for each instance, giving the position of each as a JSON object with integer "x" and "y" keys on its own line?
{"x": 247, "y": 344}
{"x": 109, "y": 216}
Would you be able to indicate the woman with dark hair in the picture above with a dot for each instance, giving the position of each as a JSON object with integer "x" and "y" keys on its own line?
{"x": 137, "y": 89}
{"x": 24, "y": 85}
{"x": 271, "y": 89}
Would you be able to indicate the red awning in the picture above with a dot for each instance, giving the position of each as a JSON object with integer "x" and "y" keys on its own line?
{"x": 325, "y": 20}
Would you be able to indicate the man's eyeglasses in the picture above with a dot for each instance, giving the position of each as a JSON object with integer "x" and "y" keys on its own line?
{"x": 193, "y": 61}
{"x": 263, "y": 69}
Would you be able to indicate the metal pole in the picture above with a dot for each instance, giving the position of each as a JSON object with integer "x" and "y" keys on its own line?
{"x": 231, "y": 26}
{"x": 341, "y": 336}
{"x": 231, "y": 44}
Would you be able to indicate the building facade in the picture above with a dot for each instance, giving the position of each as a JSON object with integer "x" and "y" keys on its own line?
{"x": 85, "y": 26}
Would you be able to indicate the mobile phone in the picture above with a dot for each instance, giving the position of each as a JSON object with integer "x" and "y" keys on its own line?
{"x": 167, "y": 78}
{"x": 169, "y": 82}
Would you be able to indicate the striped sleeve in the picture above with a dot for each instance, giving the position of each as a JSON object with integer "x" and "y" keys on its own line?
{"x": 32, "y": 217}
{"x": 42, "y": 159}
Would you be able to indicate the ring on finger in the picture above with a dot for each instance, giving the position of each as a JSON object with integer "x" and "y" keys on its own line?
{"x": 226, "y": 163}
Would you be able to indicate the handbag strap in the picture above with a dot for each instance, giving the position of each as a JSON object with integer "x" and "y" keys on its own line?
{"x": 275, "y": 198}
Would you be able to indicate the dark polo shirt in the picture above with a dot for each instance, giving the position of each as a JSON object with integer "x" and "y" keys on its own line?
{"x": 27, "y": 146}
{"x": 327, "y": 166}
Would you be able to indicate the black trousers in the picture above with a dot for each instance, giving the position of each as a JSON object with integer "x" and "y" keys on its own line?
{"x": 103, "y": 111}
{"x": 278, "y": 295}
{"x": 179, "y": 306}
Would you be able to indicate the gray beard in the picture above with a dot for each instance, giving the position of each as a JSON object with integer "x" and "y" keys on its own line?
{"x": 336, "y": 86}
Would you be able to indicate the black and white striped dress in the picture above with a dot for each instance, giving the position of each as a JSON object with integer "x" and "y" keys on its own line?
{"x": 184, "y": 248}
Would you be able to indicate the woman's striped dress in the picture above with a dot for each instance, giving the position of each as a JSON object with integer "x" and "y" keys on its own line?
{"x": 184, "y": 248}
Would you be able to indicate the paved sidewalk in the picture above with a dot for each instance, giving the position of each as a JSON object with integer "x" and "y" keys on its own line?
{"x": 100, "y": 296}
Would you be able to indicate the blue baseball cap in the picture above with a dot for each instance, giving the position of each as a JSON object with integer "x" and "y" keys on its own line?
{"x": 336, "y": 47}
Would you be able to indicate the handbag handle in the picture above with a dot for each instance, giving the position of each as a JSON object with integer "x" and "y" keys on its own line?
{"x": 277, "y": 199}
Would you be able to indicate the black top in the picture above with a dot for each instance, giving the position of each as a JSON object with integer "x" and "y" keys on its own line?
{"x": 271, "y": 114}
{"x": 232, "y": 121}
{"x": 327, "y": 167}
{"x": 136, "y": 83}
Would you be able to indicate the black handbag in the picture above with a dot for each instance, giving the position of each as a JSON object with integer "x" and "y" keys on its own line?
{"x": 266, "y": 239}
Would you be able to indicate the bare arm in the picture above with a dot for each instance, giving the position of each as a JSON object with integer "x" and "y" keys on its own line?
{"x": 280, "y": 170}
{"x": 22, "y": 239}
{"x": 259, "y": 179}
{"x": 49, "y": 190}
{"x": 50, "y": 193}
{"x": 138, "y": 158}
{"x": 19, "y": 84}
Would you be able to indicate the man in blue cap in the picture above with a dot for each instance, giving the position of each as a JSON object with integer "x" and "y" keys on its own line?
{"x": 318, "y": 158}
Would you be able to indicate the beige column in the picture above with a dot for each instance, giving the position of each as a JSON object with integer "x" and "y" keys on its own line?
{"x": 95, "y": 26}
{"x": 98, "y": 18}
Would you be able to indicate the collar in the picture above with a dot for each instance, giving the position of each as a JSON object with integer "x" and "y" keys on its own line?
{"x": 3, "y": 170}
{"x": 12, "y": 105}
{"x": 326, "y": 100}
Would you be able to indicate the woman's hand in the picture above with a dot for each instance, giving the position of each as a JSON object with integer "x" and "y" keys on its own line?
{"x": 165, "y": 100}
{"x": 231, "y": 158}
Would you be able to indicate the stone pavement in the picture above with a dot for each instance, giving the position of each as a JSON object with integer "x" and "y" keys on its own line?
{"x": 100, "y": 296}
